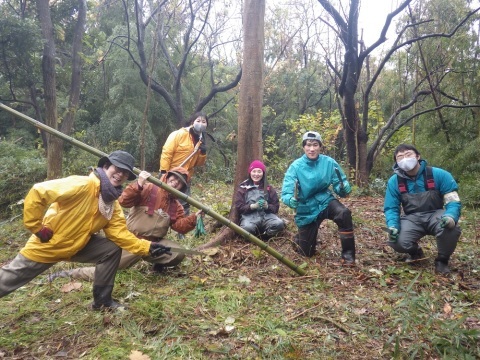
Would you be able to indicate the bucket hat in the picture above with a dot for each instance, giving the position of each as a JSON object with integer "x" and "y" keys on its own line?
{"x": 122, "y": 160}
{"x": 180, "y": 176}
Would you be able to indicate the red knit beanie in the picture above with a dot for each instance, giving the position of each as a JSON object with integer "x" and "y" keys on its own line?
{"x": 256, "y": 164}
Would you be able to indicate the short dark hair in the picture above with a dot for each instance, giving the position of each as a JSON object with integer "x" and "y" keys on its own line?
{"x": 195, "y": 116}
{"x": 404, "y": 147}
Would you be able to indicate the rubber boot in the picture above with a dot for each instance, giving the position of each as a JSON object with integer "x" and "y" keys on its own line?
{"x": 102, "y": 298}
{"x": 415, "y": 256}
{"x": 348, "y": 249}
{"x": 441, "y": 265}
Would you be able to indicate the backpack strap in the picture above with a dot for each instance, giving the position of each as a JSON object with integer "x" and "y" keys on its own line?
{"x": 152, "y": 199}
{"x": 427, "y": 178}
{"x": 402, "y": 184}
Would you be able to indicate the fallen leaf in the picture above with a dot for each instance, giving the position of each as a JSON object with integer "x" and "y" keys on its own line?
{"x": 244, "y": 280}
{"x": 229, "y": 320}
{"x": 199, "y": 279}
{"x": 138, "y": 355}
{"x": 447, "y": 309}
{"x": 376, "y": 271}
{"x": 360, "y": 311}
{"x": 70, "y": 287}
{"x": 210, "y": 251}
{"x": 229, "y": 328}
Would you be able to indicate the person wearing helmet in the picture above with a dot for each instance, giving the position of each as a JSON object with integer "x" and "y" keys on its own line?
{"x": 306, "y": 188}
{"x": 65, "y": 217}
{"x": 257, "y": 203}
{"x": 153, "y": 211}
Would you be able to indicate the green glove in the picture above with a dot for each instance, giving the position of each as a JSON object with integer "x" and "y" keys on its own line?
{"x": 293, "y": 203}
{"x": 260, "y": 203}
{"x": 393, "y": 236}
{"x": 447, "y": 222}
{"x": 199, "y": 228}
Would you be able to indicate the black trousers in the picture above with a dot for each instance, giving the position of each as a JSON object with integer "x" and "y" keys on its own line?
{"x": 306, "y": 239}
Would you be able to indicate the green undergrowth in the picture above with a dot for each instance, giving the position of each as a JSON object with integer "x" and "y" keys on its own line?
{"x": 243, "y": 304}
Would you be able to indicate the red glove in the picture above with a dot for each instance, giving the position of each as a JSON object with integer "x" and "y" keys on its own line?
{"x": 45, "y": 234}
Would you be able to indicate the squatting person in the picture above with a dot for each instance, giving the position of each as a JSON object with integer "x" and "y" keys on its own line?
{"x": 431, "y": 206}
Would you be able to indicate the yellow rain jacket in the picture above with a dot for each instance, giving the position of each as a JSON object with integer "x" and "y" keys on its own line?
{"x": 73, "y": 216}
{"x": 177, "y": 148}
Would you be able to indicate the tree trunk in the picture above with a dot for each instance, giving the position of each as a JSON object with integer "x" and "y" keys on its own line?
{"x": 76, "y": 84}
{"x": 54, "y": 166}
{"x": 250, "y": 103}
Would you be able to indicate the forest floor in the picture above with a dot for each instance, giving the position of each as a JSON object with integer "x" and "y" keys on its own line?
{"x": 241, "y": 303}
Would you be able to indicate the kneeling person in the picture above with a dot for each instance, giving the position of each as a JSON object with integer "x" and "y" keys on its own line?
{"x": 306, "y": 188}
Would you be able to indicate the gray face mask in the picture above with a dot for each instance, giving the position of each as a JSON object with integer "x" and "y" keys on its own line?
{"x": 407, "y": 164}
{"x": 199, "y": 127}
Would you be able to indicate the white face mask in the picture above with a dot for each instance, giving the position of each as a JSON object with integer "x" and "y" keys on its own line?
{"x": 199, "y": 127}
{"x": 407, "y": 164}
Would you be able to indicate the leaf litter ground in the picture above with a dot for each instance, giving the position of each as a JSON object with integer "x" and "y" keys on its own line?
{"x": 241, "y": 303}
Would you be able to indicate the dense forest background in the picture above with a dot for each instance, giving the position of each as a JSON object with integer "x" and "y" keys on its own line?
{"x": 124, "y": 74}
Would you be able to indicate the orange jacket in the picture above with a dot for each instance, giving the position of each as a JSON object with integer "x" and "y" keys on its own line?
{"x": 134, "y": 196}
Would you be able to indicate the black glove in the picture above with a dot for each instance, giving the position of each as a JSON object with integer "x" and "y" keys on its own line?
{"x": 203, "y": 148}
{"x": 157, "y": 249}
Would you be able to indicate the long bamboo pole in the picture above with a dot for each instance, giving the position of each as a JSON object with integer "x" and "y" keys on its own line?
{"x": 168, "y": 188}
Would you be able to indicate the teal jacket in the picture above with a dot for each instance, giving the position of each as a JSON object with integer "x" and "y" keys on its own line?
{"x": 314, "y": 178}
{"x": 444, "y": 183}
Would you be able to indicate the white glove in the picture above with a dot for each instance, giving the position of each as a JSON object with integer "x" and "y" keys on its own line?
{"x": 254, "y": 206}
{"x": 142, "y": 178}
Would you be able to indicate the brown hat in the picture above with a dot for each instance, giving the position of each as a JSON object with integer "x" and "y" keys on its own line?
{"x": 122, "y": 160}
{"x": 180, "y": 176}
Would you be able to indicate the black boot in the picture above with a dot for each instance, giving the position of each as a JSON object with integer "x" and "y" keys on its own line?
{"x": 348, "y": 250}
{"x": 441, "y": 266}
{"x": 415, "y": 256}
{"x": 102, "y": 298}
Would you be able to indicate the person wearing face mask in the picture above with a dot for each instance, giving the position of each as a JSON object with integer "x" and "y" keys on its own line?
{"x": 153, "y": 211}
{"x": 187, "y": 148}
{"x": 65, "y": 217}
{"x": 306, "y": 188}
{"x": 257, "y": 203}
{"x": 431, "y": 206}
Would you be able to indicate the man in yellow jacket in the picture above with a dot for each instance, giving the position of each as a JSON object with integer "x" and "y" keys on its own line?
{"x": 65, "y": 216}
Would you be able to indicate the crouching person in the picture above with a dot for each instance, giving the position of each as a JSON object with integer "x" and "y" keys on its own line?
{"x": 257, "y": 203}
{"x": 153, "y": 211}
{"x": 431, "y": 206}
{"x": 65, "y": 216}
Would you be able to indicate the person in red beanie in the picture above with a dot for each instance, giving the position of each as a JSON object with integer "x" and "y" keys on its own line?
{"x": 257, "y": 203}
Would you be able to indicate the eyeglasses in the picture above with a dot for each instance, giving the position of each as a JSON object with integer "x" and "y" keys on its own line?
{"x": 407, "y": 154}
{"x": 122, "y": 171}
